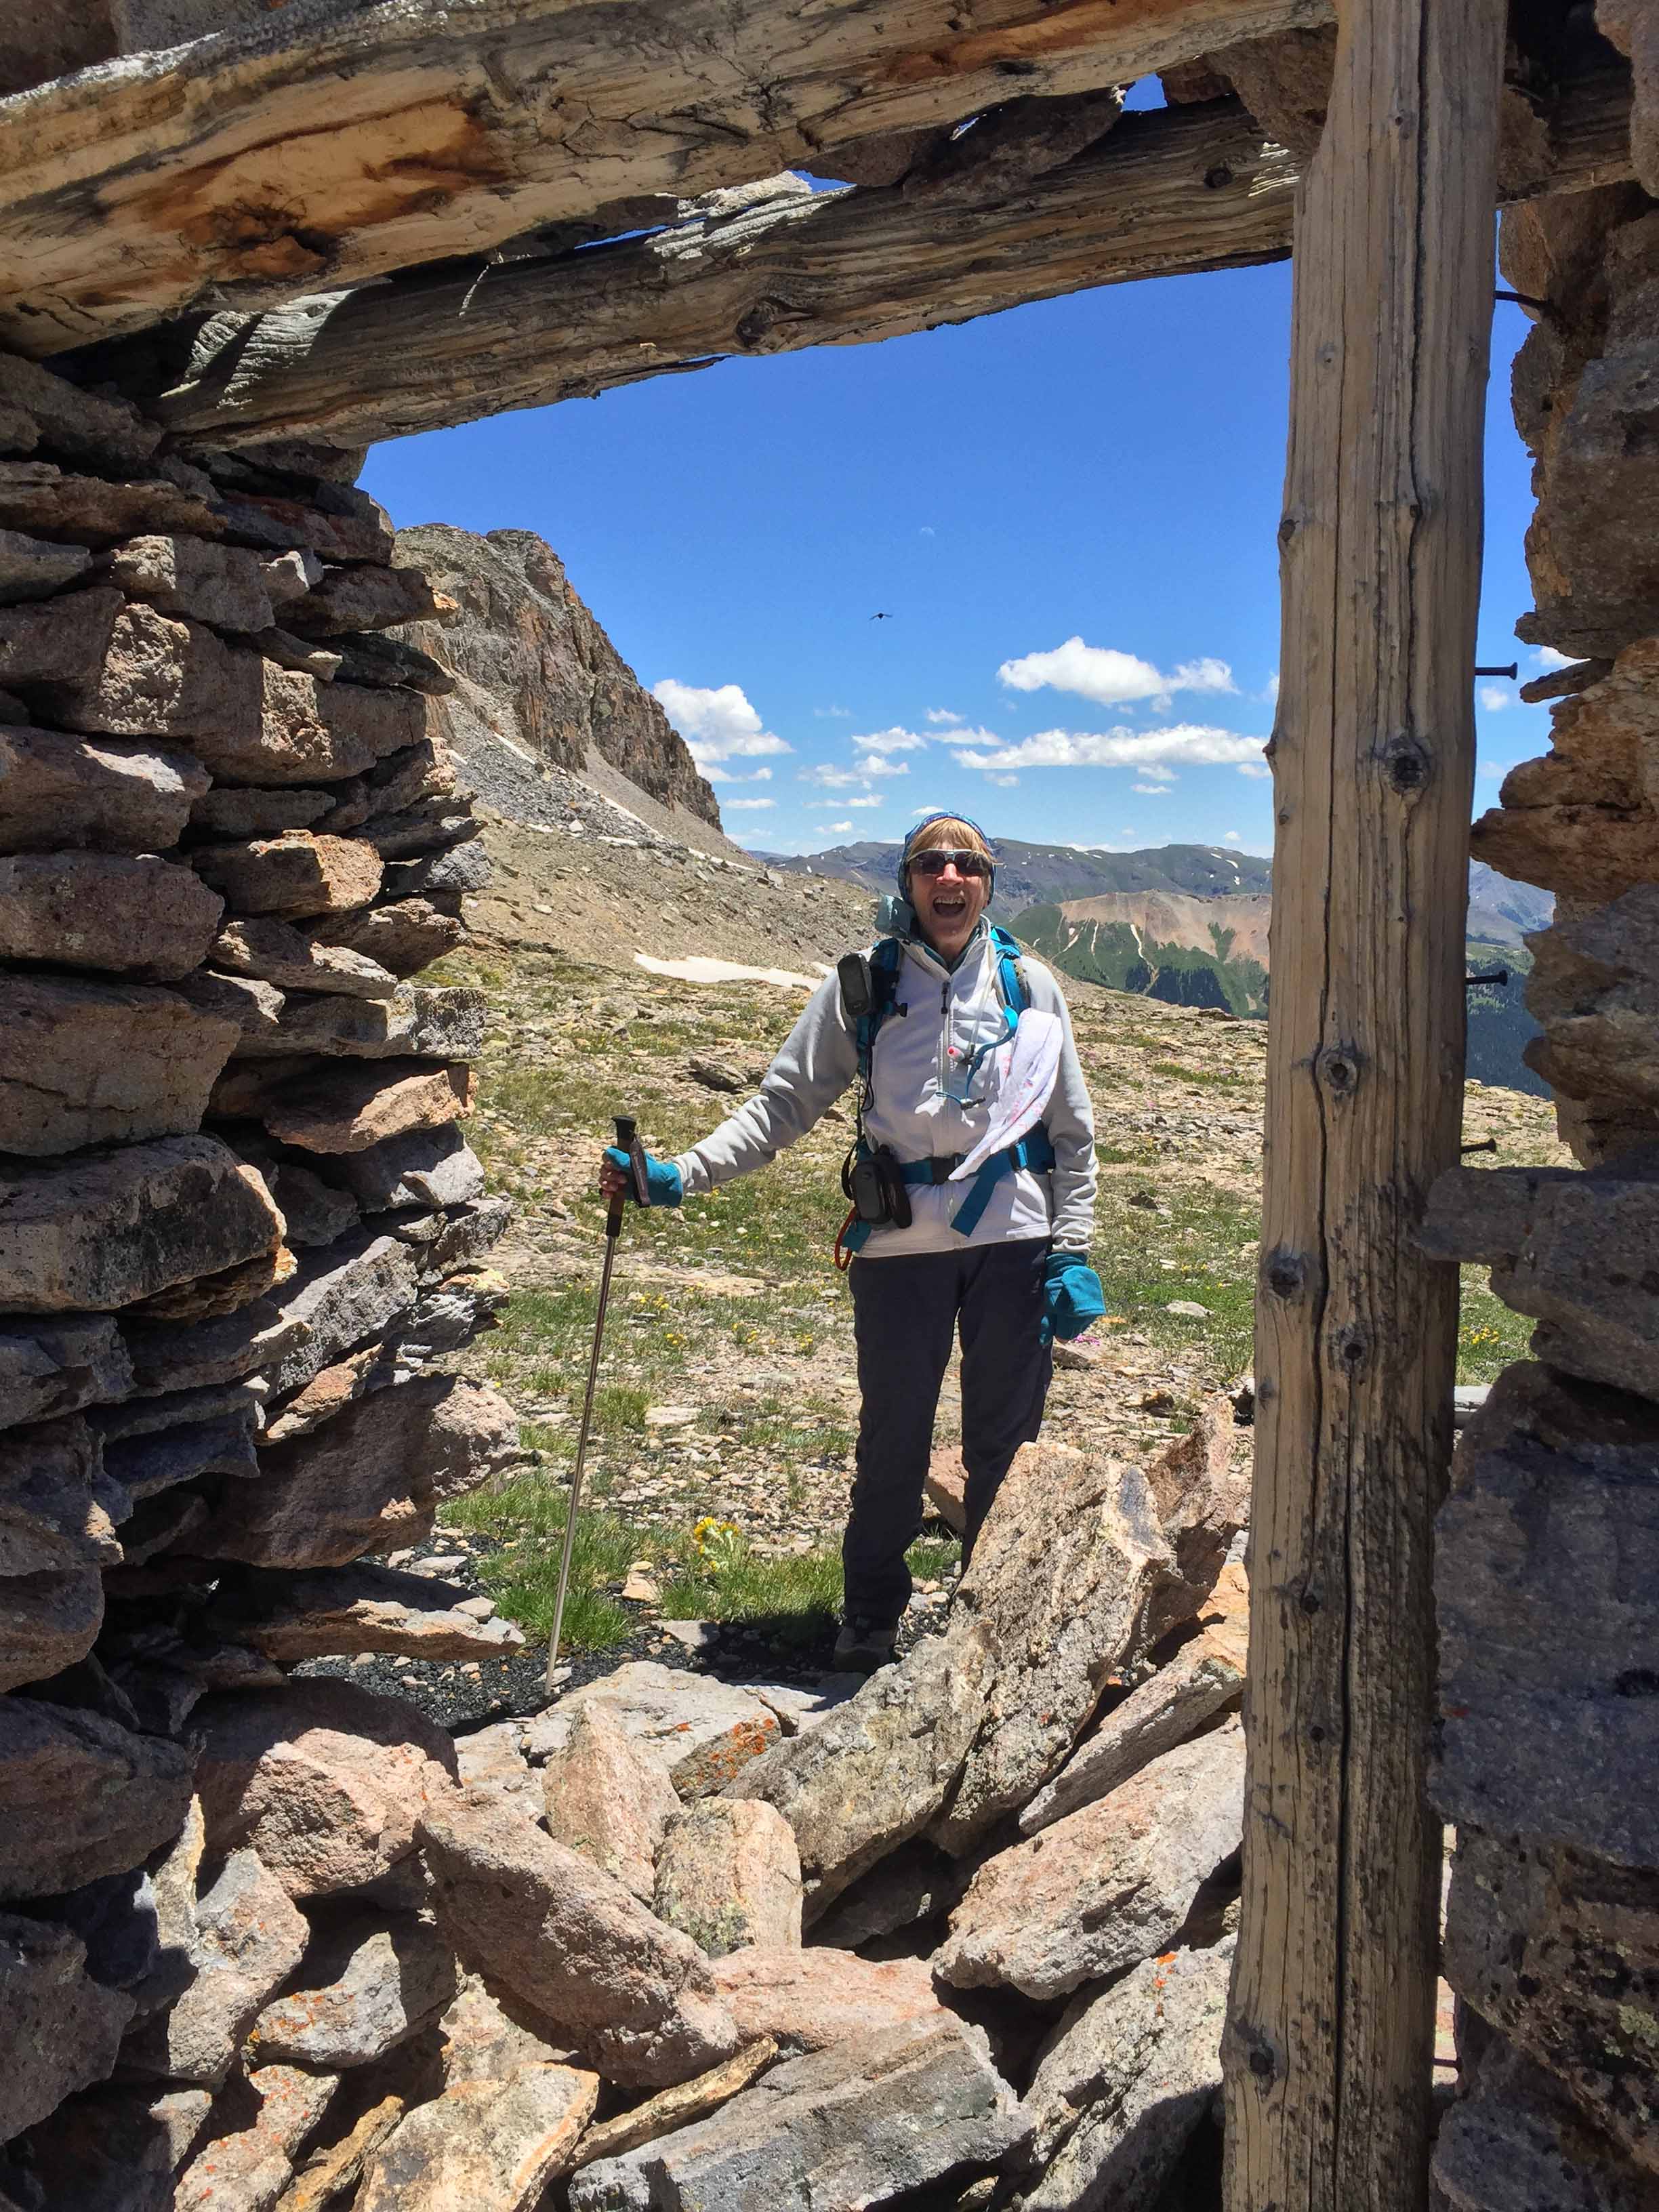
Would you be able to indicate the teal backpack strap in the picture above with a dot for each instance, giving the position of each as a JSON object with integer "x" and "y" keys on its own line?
{"x": 1011, "y": 974}
{"x": 886, "y": 960}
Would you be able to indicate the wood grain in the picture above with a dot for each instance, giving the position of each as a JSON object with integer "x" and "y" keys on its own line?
{"x": 307, "y": 153}
{"x": 1329, "y": 2044}
{"x": 1166, "y": 193}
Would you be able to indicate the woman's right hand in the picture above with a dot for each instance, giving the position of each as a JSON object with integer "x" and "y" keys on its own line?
{"x": 663, "y": 1185}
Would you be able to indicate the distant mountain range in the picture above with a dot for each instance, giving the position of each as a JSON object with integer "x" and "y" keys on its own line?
{"x": 1053, "y": 875}
{"x": 1188, "y": 924}
{"x": 1036, "y": 875}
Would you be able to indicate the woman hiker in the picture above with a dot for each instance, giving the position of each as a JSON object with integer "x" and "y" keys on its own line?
{"x": 999, "y": 1254}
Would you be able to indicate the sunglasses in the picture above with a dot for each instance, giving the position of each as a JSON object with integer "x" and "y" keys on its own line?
{"x": 935, "y": 861}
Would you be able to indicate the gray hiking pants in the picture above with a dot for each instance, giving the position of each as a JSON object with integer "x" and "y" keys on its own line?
{"x": 905, "y": 1312}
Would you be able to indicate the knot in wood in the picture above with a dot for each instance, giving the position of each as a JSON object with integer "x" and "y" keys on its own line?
{"x": 1217, "y": 179}
{"x": 1285, "y": 1273}
{"x": 1338, "y": 1070}
{"x": 1261, "y": 2055}
{"x": 1408, "y": 763}
{"x": 754, "y": 331}
{"x": 1309, "y": 1600}
{"x": 1352, "y": 1347}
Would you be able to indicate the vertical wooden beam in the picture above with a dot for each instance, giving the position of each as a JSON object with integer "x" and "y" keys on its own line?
{"x": 1329, "y": 2044}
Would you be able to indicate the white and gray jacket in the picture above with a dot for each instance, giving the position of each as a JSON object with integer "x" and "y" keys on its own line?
{"x": 926, "y": 1101}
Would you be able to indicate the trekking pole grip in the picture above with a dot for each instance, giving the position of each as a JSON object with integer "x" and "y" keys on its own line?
{"x": 627, "y": 1140}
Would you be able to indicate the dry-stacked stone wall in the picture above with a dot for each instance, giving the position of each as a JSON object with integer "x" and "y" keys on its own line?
{"x": 1548, "y": 1573}
{"x": 239, "y": 1227}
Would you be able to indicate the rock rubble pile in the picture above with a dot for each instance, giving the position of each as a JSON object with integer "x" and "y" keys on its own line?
{"x": 239, "y": 1228}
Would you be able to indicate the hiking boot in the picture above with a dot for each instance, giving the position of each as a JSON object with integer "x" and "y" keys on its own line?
{"x": 864, "y": 1644}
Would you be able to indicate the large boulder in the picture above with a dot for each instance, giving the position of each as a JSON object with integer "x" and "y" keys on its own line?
{"x": 1125, "y": 2080}
{"x": 248, "y": 2169}
{"x": 1083, "y": 1563}
{"x": 327, "y": 1782}
{"x": 1203, "y": 1677}
{"x": 246, "y": 1940}
{"x": 808, "y": 2000}
{"x": 123, "y": 1225}
{"x": 364, "y": 1988}
{"x": 854, "y": 2125}
{"x": 492, "y": 2145}
{"x": 1107, "y": 1886}
{"x": 568, "y": 1940}
{"x": 83, "y": 1795}
{"x": 728, "y": 1875}
{"x": 610, "y": 1798}
{"x": 59, "y": 2029}
{"x": 705, "y": 1731}
{"x": 371, "y": 1479}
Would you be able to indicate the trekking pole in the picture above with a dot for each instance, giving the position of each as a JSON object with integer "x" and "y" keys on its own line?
{"x": 628, "y": 1141}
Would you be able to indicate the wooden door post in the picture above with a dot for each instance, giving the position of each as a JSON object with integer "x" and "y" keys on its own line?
{"x": 1328, "y": 2046}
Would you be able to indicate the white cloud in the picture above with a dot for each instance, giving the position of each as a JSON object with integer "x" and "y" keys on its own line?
{"x": 717, "y": 721}
{"x": 840, "y": 714}
{"x": 1256, "y": 768}
{"x": 749, "y": 805}
{"x": 1493, "y": 697}
{"x": 927, "y": 531}
{"x": 1494, "y": 768}
{"x": 1270, "y": 690}
{"x": 1232, "y": 837}
{"x": 735, "y": 775}
{"x": 838, "y": 825}
{"x": 878, "y": 764}
{"x": 1008, "y": 781}
{"x": 1154, "y": 772}
{"x": 1152, "y": 790}
{"x": 1194, "y": 745}
{"x": 1547, "y": 657}
{"x": 896, "y": 740}
{"x": 943, "y": 714}
{"x": 1109, "y": 677}
{"x": 870, "y": 798}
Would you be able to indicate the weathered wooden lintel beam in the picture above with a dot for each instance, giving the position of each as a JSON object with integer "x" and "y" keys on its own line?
{"x": 1166, "y": 193}
{"x": 320, "y": 151}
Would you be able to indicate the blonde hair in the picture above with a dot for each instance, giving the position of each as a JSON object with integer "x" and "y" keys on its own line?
{"x": 949, "y": 830}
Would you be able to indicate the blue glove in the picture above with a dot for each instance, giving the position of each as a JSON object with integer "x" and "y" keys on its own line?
{"x": 663, "y": 1185}
{"x": 1072, "y": 1297}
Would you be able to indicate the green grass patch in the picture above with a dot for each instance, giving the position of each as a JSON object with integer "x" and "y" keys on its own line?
{"x": 527, "y": 1518}
{"x": 710, "y": 1573}
{"x": 1208, "y": 1236}
{"x": 1489, "y": 1335}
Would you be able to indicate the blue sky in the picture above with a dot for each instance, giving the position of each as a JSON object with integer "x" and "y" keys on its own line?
{"x": 1067, "y": 512}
